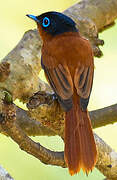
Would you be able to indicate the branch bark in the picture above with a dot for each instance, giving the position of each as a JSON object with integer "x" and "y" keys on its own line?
{"x": 104, "y": 116}
{"x": 44, "y": 109}
{"x": 93, "y": 16}
{"x": 107, "y": 158}
{"x": 102, "y": 13}
{"x": 30, "y": 126}
{"x": 24, "y": 59}
{"x": 30, "y": 121}
{"x": 4, "y": 175}
{"x": 20, "y": 79}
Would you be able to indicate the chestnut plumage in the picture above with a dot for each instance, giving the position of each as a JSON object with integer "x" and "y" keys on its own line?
{"x": 67, "y": 60}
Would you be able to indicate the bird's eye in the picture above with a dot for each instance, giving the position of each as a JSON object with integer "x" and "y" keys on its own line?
{"x": 46, "y": 22}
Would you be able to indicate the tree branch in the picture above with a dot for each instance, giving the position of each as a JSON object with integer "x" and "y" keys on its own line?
{"x": 101, "y": 13}
{"x": 4, "y": 175}
{"x": 30, "y": 126}
{"x": 24, "y": 59}
{"x": 21, "y": 81}
{"x": 107, "y": 158}
{"x": 30, "y": 121}
{"x": 104, "y": 116}
{"x": 9, "y": 125}
{"x": 44, "y": 109}
{"x": 91, "y": 17}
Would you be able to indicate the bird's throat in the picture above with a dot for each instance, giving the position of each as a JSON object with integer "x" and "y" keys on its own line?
{"x": 45, "y": 36}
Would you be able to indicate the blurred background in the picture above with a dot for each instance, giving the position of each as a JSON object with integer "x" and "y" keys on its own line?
{"x": 13, "y": 24}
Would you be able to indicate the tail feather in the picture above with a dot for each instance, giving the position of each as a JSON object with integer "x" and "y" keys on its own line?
{"x": 71, "y": 150}
{"x": 80, "y": 148}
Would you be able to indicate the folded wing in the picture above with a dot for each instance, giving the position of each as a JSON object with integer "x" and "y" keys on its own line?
{"x": 60, "y": 80}
{"x": 83, "y": 80}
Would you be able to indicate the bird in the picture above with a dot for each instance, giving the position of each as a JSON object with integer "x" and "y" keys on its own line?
{"x": 68, "y": 63}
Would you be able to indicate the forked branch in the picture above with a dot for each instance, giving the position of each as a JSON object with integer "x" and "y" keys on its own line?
{"x": 19, "y": 76}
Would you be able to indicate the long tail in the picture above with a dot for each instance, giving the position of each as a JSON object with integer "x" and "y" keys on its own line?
{"x": 80, "y": 148}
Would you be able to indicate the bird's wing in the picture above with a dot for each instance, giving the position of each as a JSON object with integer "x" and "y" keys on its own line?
{"x": 83, "y": 80}
{"x": 60, "y": 80}
{"x": 77, "y": 59}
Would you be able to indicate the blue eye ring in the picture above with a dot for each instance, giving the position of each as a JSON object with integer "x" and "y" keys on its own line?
{"x": 46, "y": 22}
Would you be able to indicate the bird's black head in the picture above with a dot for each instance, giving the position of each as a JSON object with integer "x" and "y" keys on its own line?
{"x": 55, "y": 23}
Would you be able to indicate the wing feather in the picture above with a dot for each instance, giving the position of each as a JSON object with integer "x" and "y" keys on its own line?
{"x": 83, "y": 80}
{"x": 61, "y": 82}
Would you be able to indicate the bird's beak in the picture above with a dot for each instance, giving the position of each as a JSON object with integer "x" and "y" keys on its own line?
{"x": 33, "y": 17}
